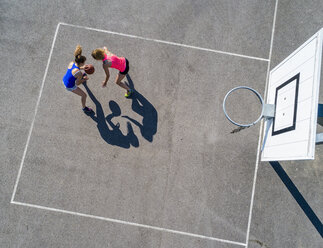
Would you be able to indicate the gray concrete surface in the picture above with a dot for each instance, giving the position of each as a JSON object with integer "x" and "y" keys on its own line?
{"x": 186, "y": 172}
{"x": 278, "y": 220}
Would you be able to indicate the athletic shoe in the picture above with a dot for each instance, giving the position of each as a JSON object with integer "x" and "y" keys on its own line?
{"x": 128, "y": 93}
{"x": 87, "y": 110}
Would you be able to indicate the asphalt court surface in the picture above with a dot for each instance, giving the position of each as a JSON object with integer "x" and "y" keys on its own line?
{"x": 192, "y": 175}
{"x": 191, "y": 178}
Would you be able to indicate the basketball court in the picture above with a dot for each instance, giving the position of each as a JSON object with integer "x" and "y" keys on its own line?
{"x": 162, "y": 169}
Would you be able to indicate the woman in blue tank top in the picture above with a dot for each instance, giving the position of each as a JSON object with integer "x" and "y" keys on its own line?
{"x": 75, "y": 77}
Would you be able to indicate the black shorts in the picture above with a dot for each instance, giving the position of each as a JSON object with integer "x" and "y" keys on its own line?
{"x": 125, "y": 72}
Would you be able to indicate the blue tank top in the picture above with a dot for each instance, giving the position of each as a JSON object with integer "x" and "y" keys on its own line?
{"x": 69, "y": 79}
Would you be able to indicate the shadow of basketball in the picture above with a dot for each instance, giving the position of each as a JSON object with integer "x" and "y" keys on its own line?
{"x": 109, "y": 131}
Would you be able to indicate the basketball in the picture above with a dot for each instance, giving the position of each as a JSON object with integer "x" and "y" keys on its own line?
{"x": 89, "y": 69}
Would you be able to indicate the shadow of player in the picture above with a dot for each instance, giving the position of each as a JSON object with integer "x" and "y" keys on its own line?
{"x": 112, "y": 136}
{"x": 143, "y": 107}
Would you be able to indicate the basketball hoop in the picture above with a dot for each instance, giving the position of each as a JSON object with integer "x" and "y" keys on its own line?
{"x": 267, "y": 110}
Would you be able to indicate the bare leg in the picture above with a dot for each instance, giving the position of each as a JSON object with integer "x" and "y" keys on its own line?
{"x": 121, "y": 84}
{"x": 81, "y": 93}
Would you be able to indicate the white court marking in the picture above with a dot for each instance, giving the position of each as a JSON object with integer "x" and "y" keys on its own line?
{"x": 166, "y": 42}
{"x": 261, "y": 126}
{"x": 127, "y": 223}
{"x": 34, "y": 117}
{"x": 116, "y": 220}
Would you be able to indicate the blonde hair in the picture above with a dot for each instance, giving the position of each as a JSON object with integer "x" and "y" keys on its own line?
{"x": 98, "y": 54}
{"x": 78, "y": 50}
{"x": 78, "y": 55}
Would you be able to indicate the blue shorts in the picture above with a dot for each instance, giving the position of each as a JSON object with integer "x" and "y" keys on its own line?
{"x": 71, "y": 89}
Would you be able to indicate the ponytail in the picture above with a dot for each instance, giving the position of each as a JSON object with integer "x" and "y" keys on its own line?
{"x": 78, "y": 55}
{"x": 78, "y": 51}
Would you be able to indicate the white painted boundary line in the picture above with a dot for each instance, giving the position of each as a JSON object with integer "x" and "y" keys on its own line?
{"x": 127, "y": 223}
{"x": 261, "y": 126}
{"x": 34, "y": 117}
{"x": 89, "y": 215}
{"x": 165, "y": 42}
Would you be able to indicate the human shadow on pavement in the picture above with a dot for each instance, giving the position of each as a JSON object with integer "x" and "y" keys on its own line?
{"x": 143, "y": 107}
{"x": 113, "y": 135}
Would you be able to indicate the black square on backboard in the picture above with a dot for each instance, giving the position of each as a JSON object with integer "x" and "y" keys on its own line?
{"x": 293, "y": 126}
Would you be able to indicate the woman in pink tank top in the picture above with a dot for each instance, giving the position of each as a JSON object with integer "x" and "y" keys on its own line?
{"x": 113, "y": 61}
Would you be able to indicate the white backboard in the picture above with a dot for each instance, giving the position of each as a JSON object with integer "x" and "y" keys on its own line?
{"x": 293, "y": 87}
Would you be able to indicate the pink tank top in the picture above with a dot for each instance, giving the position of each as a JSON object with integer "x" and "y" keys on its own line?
{"x": 118, "y": 63}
